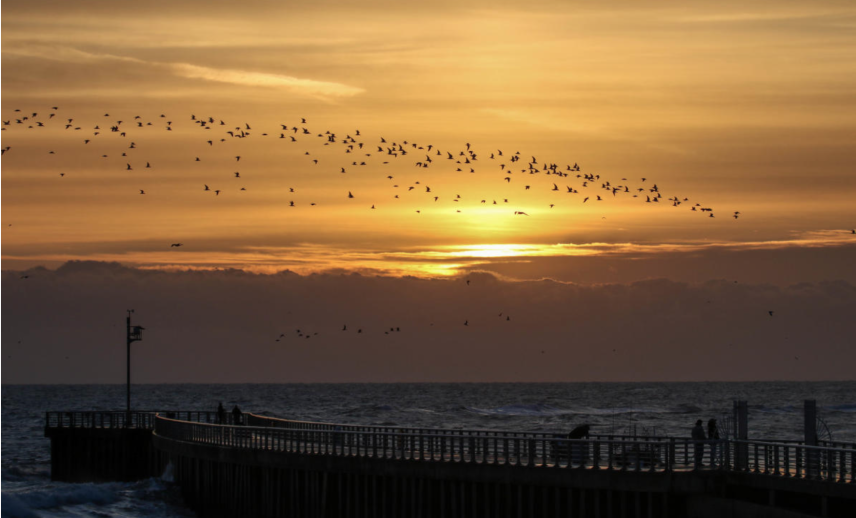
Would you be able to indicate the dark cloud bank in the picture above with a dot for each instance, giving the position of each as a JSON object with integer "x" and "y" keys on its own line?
{"x": 67, "y": 326}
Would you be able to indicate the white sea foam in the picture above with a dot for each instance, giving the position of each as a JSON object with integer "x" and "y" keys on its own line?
{"x": 168, "y": 474}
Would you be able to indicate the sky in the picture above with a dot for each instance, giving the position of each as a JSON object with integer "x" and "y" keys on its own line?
{"x": 747, "y": 110}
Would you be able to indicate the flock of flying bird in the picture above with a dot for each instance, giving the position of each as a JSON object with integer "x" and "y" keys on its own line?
{"x": 569, "y": 180}
{"x": 395, "y": 329}
{"x": 510, "y": 167}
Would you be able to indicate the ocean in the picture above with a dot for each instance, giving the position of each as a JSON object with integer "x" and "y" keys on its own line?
{"x": 775, "y": 412}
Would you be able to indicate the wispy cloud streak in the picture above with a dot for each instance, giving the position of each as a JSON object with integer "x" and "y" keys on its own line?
{"x": 240, "y": 77}
{"x": 309, "y": 87}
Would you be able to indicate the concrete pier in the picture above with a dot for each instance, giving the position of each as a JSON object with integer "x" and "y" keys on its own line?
{"x": 276, "y": 467}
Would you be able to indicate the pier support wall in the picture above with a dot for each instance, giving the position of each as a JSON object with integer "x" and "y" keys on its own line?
{"x": 102, "y": 455}
{"x": 244, "y": 483}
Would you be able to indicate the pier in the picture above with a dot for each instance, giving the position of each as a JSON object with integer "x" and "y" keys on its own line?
{"x": 266, "y": 467}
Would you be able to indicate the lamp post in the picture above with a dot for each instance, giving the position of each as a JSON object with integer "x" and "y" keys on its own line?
{"x": 134, "y": 334}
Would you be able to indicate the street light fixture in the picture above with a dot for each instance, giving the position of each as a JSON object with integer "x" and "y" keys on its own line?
{"x": 134, "y": 334}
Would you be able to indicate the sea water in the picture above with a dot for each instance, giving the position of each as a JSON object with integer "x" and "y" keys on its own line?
{"x": 664, "y": 409}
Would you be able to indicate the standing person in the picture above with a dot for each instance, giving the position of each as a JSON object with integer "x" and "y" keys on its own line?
{"x": 221, "y": 414}
{"x": 713, "y": 437}
{"x": 698, "y": 442}
{"x": 236, "y": 415}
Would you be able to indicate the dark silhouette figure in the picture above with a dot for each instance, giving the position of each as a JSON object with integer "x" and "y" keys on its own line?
{"x": 221, "y": 413}
{"x": 574, "y": 452}
{"x": 580, "y": 432}
{"x": 713, "y": 437}
{"x": 237, "y": 416}
{"x": 698, "y": 440}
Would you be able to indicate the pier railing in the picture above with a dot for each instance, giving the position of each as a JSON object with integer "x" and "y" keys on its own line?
{"x": 796, "y": 460}
{"x": 545, "y": 452}
{"x": 289, "y": 424}
{"x": 143, "y": 419}
{"x": 440, "y": 446}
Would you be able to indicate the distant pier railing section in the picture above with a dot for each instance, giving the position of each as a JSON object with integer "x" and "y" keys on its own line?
{"x": 144, "y": 420}
{"x": 828, "y": 461}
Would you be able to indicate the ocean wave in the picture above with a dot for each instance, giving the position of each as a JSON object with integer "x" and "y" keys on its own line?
{"x": 421, "y": 410}
{"x": 787, "y": 409}
{"x": 519, "y": 410}
{"x": 148, "y": 497}
{"x": 542, "y": 410}
{"x": 19, "y": 474}
{"x": 685, "y": 409}
{"x": 632, "y": 410}
{"x": 21, "y": 503}
{"x": 13, "y": 507}
{"x": 849, "y": 407}
{"x": 369, "y": 410}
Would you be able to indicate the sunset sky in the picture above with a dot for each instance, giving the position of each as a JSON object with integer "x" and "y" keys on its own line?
{"x": 734, "y": 106}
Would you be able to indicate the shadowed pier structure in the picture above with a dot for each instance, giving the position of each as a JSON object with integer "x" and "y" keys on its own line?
{"x": 277, "y": 467}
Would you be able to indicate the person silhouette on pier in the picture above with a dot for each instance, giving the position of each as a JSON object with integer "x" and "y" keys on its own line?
{"x": 580, "y": 432}
{"x": 713, "y": 438}
{"x": 578, "y": 451}
{"x": 221, "y": 413}
{"x": 236, "y": 415}
{"x": 698, "y": 442}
